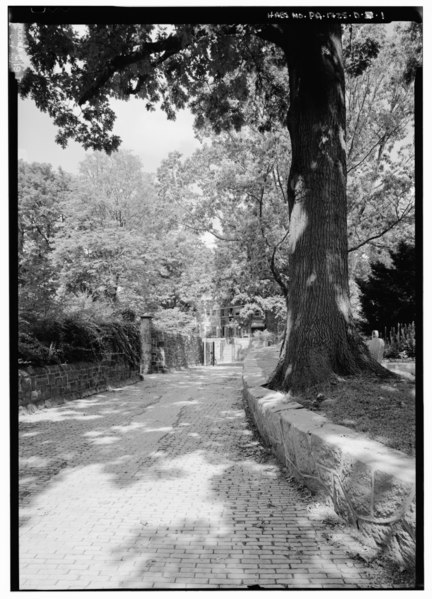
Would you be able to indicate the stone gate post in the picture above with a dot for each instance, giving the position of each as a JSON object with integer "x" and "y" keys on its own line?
{"x": 146, "y": 326}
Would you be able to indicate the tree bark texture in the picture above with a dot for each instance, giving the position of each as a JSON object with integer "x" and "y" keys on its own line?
{"x": 320, "y": 338}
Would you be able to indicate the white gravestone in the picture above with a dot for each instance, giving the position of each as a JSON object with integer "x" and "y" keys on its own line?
{"x": 376, "y": 347}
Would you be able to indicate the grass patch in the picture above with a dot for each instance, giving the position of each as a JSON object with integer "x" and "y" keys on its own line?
{"x": 381, "y": 410}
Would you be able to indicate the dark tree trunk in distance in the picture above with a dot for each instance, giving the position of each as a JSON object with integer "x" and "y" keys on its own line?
{"x": 320, "y": 338}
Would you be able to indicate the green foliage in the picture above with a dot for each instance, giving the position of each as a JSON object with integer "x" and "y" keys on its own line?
{"x": 41, "y": 191}
{"x": 264, "y": 338}
{"x": 411, "y": 40}
{"x": 76, "y": 338}
{"x": 233, "y": 189}
{"x": 359, "y": 54}
{"x": 271, "y": 308}
{"x": 388, "y": 295}
{"x": 212, "y": 68}
{"x": 380, "y": 149}
{"x": 32, "y": 352}
{"x": 122, "y": 243}
{"x": 52, "y": 82}
{"x": 248, "y": 89}
{"x": 100, "y": 248}
{"x": 174, "y": 320}
{"x": 400, "y": 341}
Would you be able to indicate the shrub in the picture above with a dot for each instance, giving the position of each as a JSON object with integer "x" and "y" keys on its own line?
{"x": 76, "y": 338}
{"x": 388, "y": 295}
{"x": 400, "y": 341}
{"x": 264, "y": 338}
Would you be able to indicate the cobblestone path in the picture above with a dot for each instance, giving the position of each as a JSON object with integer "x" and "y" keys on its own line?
{"x": 163, "y": 485}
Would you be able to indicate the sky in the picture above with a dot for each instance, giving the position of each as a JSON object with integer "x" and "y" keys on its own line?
{"x": 148, "y": 134}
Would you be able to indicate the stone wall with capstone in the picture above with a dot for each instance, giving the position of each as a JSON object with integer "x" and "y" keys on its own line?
{"x": 40, "y": 386}
{"x": 370, "y": 485}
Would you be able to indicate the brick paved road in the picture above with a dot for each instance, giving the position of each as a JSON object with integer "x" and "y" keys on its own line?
{"x": 163, "y": 485}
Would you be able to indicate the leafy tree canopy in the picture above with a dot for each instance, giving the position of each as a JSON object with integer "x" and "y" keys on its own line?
{"x": 213, "y": 69}
{"x": 165, "y": 65}
{"x": 40, "y": 194}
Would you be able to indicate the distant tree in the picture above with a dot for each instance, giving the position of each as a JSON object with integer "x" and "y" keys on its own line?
{"x": 100, "y": 249}
{"x": 120, "y": 245}
{"x": 388, "y": 295}
{"x": 174, "y": 320}
{"x": 234, "y": 188}
{"x": 41, "y": 191}
{"x": 185, "y": 262}
{"x": 116, "y": 188}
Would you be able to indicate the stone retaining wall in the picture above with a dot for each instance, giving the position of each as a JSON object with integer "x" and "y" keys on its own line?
{"x": 370, "y": 485}
{"x": 161, "y": 351}
{"x": 44, "y": 385}
{"x": 180, "y": 351}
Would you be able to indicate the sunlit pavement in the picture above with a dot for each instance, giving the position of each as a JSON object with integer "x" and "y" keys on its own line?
{"x": 163, "y": 485}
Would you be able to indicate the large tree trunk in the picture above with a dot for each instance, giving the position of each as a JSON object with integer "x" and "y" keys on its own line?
{"x": 320, "y": 338}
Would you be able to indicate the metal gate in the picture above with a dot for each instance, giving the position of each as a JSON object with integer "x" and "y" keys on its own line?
{"x": 219, "y": 350}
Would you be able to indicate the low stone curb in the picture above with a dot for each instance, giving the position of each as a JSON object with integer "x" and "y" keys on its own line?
{"x": 371, "y": 486}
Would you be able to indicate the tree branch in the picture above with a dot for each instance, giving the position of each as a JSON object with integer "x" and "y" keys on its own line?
{"x": 276, "y": 274}
{"x": 384, "y": 231}
{"x": 169, "y": 46}
{"x": 272, "y": 262}
{"x": 381, "y": 139}
{"x": 359, "y": 115}
{"x": 42, "y": 234}
{"x": 212, "y": 232}
{"x": 279, "y": 182}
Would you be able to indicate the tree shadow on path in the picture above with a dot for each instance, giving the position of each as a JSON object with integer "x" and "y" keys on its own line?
{"x": 169, "y": 486}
